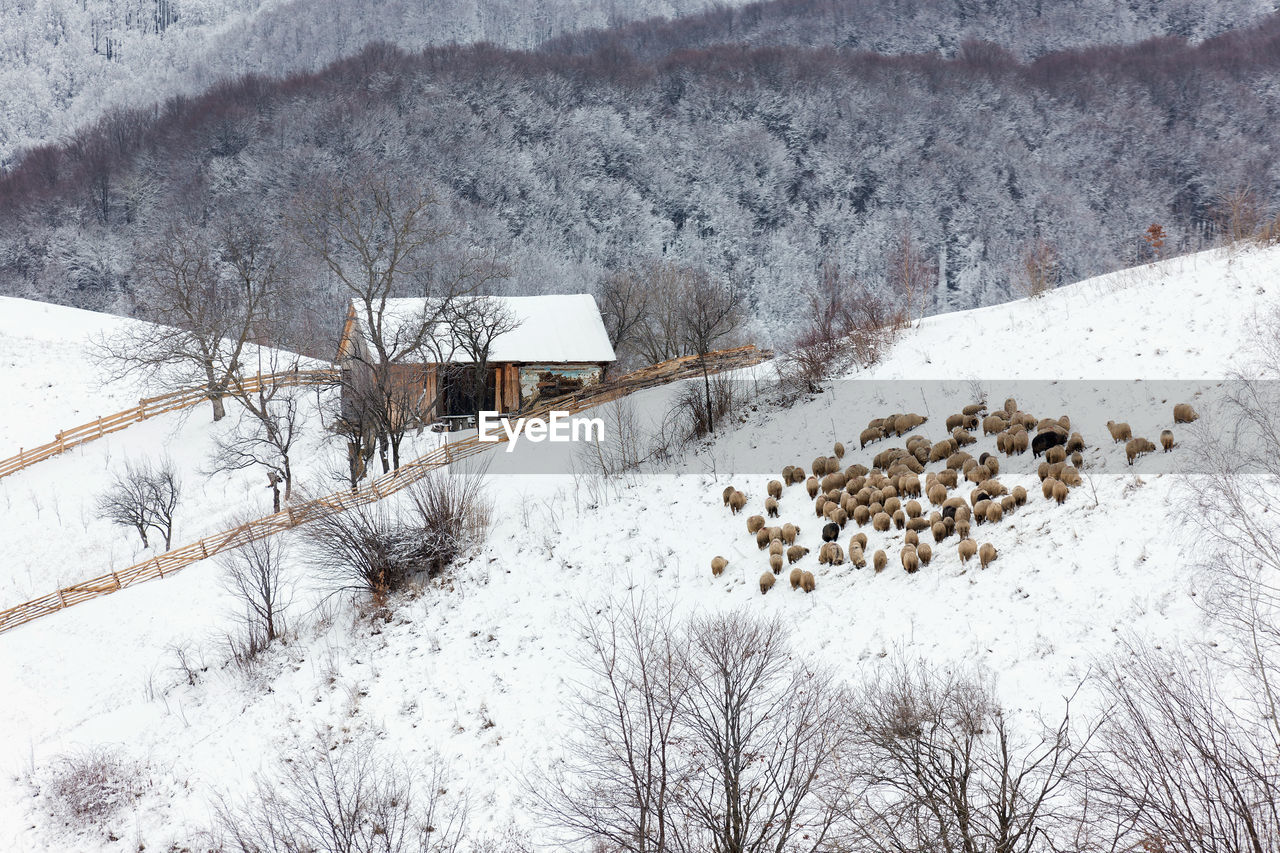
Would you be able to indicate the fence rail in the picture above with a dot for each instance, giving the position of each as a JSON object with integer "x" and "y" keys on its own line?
{"x": 170, "y": 562}
{"x": 148, "y": 408}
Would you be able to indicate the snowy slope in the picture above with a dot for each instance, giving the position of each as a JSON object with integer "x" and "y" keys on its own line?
{"x": 475, "y": 668}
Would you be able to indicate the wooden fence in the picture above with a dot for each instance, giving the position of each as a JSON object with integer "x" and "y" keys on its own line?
{"x": 163, "y": 565}
{"x": 149, "y": 408}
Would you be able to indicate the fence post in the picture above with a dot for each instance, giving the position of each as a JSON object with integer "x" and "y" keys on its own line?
{"x": 156, "y": 560}
{"x": 62, "y": 601}
{"x": 117, "y": 580}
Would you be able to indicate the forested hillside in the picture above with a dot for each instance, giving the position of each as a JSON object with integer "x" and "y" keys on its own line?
{"x": 64, "y": 62}
{"x": 760, "y": 165}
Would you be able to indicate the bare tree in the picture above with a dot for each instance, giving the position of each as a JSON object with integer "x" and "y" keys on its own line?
{"x": 763, "y": 733}
{"x": 910, "y": 273}
{"x": 144, "y": 498}
{"x": 476, "y": 323}
{"x": 939, "y": 767}
{"x": 625, "y": 304}
{"x": 1185, "y": 763}
{"x": 619, "y": 774}
{"x": 380, "y": 239}
{"x": 712, "y": 312}
{"x": 1040, "y": 268}
{"x": 348, "y": 799}
{"x": 1238, "y": 212}
{"x": 270, "y": 423}
{"x": 256, "y": 574}
{"x": 205, "y": 311}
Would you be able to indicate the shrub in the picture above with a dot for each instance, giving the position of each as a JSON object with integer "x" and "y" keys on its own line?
{"x": 377, "y": 547}
{"x": 86, "y": 789}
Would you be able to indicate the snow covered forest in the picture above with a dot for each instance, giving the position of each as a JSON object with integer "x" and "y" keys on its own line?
{"x": 759, "y": 164}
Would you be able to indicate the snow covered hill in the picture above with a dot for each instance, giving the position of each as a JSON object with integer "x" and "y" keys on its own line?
{"x": 474, "y": 668}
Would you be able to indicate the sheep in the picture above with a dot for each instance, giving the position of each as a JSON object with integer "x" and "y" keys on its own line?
{"x": 915, "y": 525}
{"x": 1119, "y": 432}
{"x": 1077, "y": 459}
{"x": 913, "y": 509}
{"x": 994, "y": 513}
{"x": 820, "y": 506}
{"x": 910, "y": 560}
{"x": 840, "y": 517}
{"x": 763, "y": 538}
{"x": 787, "y": 472}
{"x": 1019, "y": 495}
{"x": 1184, "y": 414}
{"x": 937, "y": 493}
{"x": 839, "y": 450}
{"x": 860, "y": 538}
{"x": 974, "y": 409}
{"x": 808, "y": 582}
{"x": 1002, "y": 443}
{"x": 966, "y": 549}
{"x": 737, "y": 501}
{"x": 1010, "y": 406}
{"x": 925, "y": 553}
{"x": 1046, "y": 440}
{"x": 980, "y": 510}
{"x": 830, "y": 531}
{"x": 948, "y": 478}
{"x": 1070, "y": 476}
{"x": 795, "y": 553}
{"x": 1055, "y": 454}
{"x": 1137, "y": 447}
{"x": 1021, "y": 441}
{"x": 718, "y": 565}
{"x": 1008, "y": 504}
{"x": 775, "y": 488}
{"x": 963, "y": 437}
{"x": 796, "y": 575}
{"x": 940, "y": 451}
{"x": 881, "y": 522}
{"x": 956, "y": 421}
{"x": 1060, "y": 492}
{"x": 905, "y": 423}
{"x": 766, "y": 582}
{"x": 992, "y": 424}
{"x": 797, "y": 475}
{"x": 1046, "y": 487}
{"x": 909, "y": 484}
{"x": 993, "y": 487}
{"x": 789, "y": 533}
{"x": 857, "y": 470}
{"x": 1075, "y": 443}
{"x": 811, "y": 485}
{"x": 775, "y": 547}
{"x": 939, "y": 531}
{"x": 992, "y": 464}
{"x": 899, "y": 519}
{"x": 771, "y": 507}
{"x": 1049, "y": 424}
{"x": 986, "y": 554}
{"x": 879, "y": 561}
{"x": 876, "y": 423}
{"x": 728, "y": 493}
{"x": 869, "y": 435}
{"x": 856, "y": 556}
{"x": 754, "y": 523}
{"x": 835, "y": 554}
{"x": 861, "y": 515}
{"x": 1166, "y": 440}
{"x": 976, "y": 497}
{"x": 775, "y": 563}
{"x": 819, "y": 466}
{"x": 962, "y": 528}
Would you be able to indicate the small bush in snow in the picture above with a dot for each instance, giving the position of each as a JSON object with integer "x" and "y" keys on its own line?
{"x": 86, "y": 789}
{"x": 377, "y": 548}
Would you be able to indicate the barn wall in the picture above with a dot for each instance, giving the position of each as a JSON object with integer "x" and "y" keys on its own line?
{"x": 532, "y": 375}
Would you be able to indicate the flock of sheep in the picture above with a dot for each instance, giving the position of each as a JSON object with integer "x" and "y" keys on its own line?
{"x": 887, "y": 494}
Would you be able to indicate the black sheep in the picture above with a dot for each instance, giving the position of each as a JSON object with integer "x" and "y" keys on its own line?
{"x": 1045, "y": 440}
{"x": 830, "y": 532}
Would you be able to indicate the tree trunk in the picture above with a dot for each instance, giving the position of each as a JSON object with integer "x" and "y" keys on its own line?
{"x": 706, "y": 382}
{"x": 275, "y": 494}
{"x": 384, "y": 452}
{"x": 142, "y": 531}
{"x": 219, "y": 407}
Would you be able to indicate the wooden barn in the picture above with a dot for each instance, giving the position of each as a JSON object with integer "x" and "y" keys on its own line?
{"x": 549, "y": 345}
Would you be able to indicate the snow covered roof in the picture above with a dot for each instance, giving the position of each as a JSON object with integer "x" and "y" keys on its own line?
{"x": 559, "y": 328}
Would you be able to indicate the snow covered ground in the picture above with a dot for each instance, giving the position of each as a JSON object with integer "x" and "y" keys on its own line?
{"x": 475, "y": 668}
